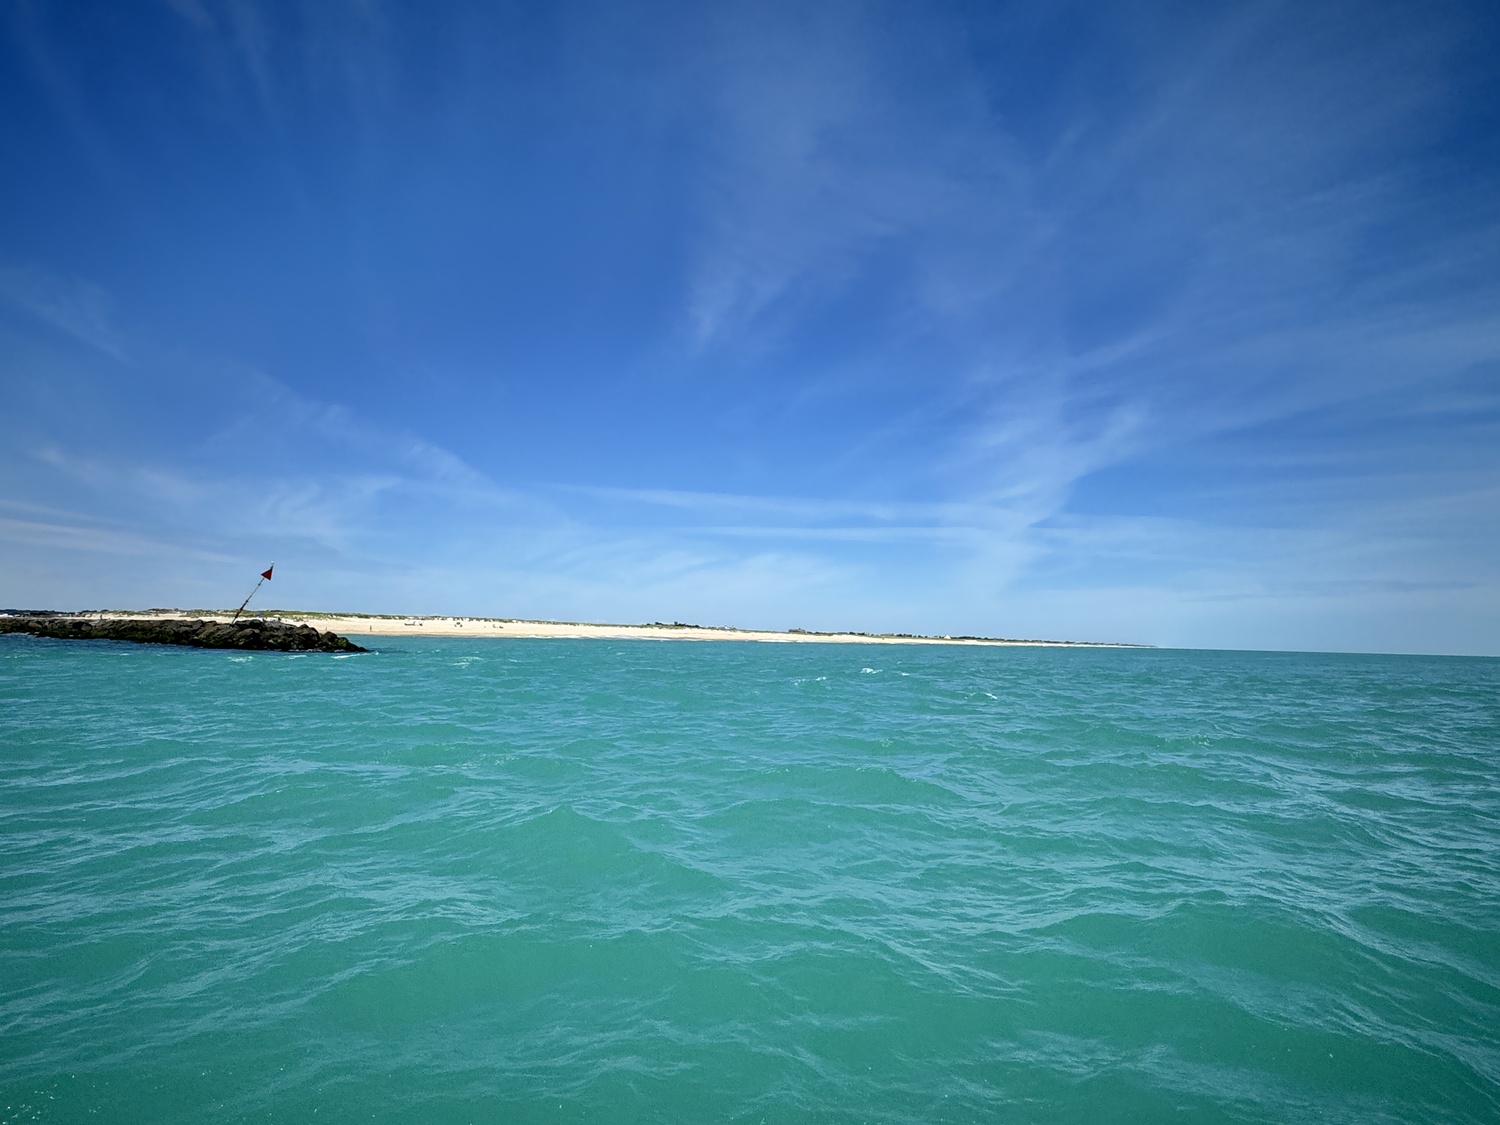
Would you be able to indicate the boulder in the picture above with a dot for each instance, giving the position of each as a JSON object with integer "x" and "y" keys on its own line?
{"x": 250, "y": 633}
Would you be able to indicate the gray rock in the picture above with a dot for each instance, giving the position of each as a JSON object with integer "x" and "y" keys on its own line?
{"x": 248, "y": 633}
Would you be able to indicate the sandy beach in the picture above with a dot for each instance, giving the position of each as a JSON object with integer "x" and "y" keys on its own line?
{"x": 355, "y": 625}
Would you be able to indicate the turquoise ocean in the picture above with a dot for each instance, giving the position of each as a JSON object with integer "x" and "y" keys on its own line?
{"x": 601, "y": 881}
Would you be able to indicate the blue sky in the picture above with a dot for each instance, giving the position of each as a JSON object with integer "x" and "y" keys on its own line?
{"x": 1170, "y": 323}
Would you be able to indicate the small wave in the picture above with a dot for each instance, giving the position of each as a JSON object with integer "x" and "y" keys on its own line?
{"x": 868, "y": 671}
{"x": 909, "y": 906}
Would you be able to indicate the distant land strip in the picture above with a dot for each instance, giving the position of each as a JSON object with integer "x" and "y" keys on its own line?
{"x": 393, "y": 625}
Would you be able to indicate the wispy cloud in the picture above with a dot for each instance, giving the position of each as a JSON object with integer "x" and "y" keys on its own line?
{"x": 1161, "y": 268}
{"x": 74, "y": 306}
{"x": 821, "y": 161}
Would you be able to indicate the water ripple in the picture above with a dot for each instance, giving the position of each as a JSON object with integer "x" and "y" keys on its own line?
{"x": 547, "y": 881}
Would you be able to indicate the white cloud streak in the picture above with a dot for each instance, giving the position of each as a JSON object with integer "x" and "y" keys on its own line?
{"x": 76, "y": 307}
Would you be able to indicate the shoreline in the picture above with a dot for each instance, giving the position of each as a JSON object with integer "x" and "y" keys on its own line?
{"x": 390, "y": 625}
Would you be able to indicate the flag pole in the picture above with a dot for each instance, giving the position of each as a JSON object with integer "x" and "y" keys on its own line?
{"x": 264, "y": 575}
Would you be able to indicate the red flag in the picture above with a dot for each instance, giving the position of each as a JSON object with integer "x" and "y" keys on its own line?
{"x": 267, "y": 572}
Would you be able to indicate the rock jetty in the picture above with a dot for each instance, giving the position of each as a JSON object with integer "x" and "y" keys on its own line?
{"x": 248, "y": 633}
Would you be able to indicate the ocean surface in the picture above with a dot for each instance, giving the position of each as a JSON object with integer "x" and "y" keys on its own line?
{"x": 633, "y": 881}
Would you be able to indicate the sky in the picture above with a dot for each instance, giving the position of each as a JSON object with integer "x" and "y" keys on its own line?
{"x": 1170, "y": 323}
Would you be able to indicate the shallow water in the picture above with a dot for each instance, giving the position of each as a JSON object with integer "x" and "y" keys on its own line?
{"x": 520, "y": 881}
